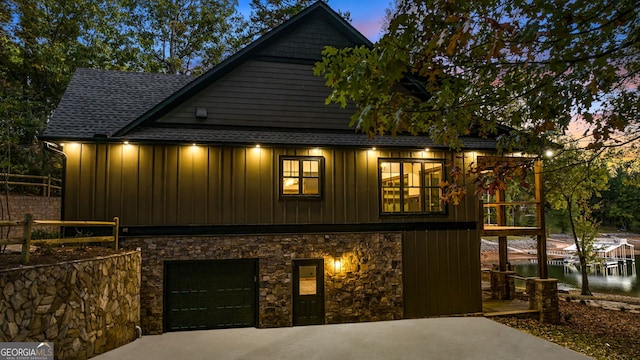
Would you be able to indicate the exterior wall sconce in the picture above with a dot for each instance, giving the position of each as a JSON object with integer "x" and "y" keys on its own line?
{"x": 337, "y": 266}
{"x": 201, "y": 113}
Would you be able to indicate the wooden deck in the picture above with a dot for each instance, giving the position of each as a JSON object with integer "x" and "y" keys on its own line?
{"x": 492, "y": 308}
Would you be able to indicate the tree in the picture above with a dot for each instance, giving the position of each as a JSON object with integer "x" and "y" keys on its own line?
{"x": 472, "y": 65}
{"x": 620, "y": 202}
{"x": 184, "y": 36}
{"x": 42, "y": 43}
{"x": 573, "y": 177}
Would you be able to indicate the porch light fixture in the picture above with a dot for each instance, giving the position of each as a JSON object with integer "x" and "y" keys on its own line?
{"x": 426, "y": 149}
{"x": 548, "y": 153}
{"x": 337, "y": 266}
{"x": 201, "y": 113}
{"x": 257, "y": 146}
{"x": 126, "y": 142}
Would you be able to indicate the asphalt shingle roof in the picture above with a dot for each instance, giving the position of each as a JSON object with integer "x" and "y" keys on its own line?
{"x": 300, "y": 137}
{"x": 103, "y": 101}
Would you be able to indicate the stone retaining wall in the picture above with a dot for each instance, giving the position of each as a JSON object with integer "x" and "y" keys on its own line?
{"x": 41, "y": 207}
{"x": 368, "y": 286}
{"x": 84, "y": 307}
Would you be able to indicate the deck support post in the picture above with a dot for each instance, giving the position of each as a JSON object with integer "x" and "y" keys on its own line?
{"x": 503, "y": 285}
{"x": 543, "y": 296}
{"x": 543, "y": 271}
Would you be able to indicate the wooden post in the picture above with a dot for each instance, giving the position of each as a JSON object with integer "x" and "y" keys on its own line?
{"x": 116, "y": 230}
{"x": 543, "y": 271}
{"x": 49, "y": 185}
{"x": 501, "y": 219}
{"x": 26, "y": 245}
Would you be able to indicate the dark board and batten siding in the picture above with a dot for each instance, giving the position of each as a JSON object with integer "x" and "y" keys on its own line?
{"x": 307, "y": 41}
{"x": 185, "y": 185}
{"x": 265, "y": 94}
{"x": 441, "y": 272}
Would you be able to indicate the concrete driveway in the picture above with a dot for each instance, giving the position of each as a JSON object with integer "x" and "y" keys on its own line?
{"x": 436, "y": 338}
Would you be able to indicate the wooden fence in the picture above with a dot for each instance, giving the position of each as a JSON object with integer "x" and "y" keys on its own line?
{"x": 48, "y": 184}
{"x": 29, "y": 223}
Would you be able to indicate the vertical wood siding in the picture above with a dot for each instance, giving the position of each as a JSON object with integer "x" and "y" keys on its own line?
{"x": 200, "y": 185}
{"x": 441, "y": 273}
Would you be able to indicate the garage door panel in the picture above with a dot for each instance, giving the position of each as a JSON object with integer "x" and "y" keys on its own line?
{"x": 210, "y": 294}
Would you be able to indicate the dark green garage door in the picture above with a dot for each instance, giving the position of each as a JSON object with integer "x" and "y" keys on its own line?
{"x": 212, "y": 294}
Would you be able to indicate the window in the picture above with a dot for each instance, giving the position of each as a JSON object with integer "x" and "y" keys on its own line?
{"x": 301, "y": 176}
{"x": 410, "y": 186}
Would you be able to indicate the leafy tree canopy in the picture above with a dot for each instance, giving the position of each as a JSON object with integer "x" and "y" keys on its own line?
{"x": 574, "y": 178}
{"x": 183, "y": 36}
{"x": 534, "y": 65}
{"x": 43, "y": 42}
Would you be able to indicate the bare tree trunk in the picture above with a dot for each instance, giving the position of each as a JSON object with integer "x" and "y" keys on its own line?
{"x": 585, "y": 279}
{"x": 580, "y": 250}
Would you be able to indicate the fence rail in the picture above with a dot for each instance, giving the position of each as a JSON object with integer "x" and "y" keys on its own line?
{"x": 29, "y": 223}
{"x": 48, "y": 184}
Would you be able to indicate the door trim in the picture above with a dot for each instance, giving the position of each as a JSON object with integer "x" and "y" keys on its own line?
{"x": 296, "y": 263}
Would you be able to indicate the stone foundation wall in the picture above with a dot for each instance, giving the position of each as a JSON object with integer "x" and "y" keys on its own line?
{"x": 84, "y": 307}
{"x": 367, "y": 287}
{"x": 41, "y": 207}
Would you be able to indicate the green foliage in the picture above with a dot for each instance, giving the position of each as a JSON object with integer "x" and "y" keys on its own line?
{"x": 43, "y": 42}
{"x": 473, "y": 65}
{"x": 183, "y": 36}
{"x": 573, "y": 179}
{"x": 37, "y": 234}
{"x": 620, "y": 205}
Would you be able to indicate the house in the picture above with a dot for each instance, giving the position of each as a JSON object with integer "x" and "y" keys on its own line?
{"x": 255, "y": 204}
{"x": 613, "y": 255}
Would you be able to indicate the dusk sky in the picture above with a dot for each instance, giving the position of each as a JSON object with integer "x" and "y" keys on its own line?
{"x": 366, "y": 16}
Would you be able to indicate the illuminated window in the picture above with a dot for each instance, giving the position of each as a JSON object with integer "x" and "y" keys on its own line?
{"x": 410, "y": 186}
{"x": 301, "y": 176}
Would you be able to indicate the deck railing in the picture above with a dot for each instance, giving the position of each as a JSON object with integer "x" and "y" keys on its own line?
{"x": 28, "y": 223}
{"x": 48, "y": 184}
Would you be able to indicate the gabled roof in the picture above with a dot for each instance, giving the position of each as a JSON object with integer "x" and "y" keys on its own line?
{"x": 99, "y": 102}
{"x": 319, "y": 8}
{"x": 115, "y": 106}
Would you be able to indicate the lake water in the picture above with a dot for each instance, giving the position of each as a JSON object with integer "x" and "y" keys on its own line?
{"x": 611, "y": 284}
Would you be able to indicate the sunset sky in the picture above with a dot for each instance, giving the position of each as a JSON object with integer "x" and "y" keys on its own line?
{"x": 366, "y": 15}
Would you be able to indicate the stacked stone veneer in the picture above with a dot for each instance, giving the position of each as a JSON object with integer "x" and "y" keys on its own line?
{"x": 543, "y": 296}
{"x": 41, "y": 207}
{"x": 84, "y": 307}
{"x": 368, "y": 286}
